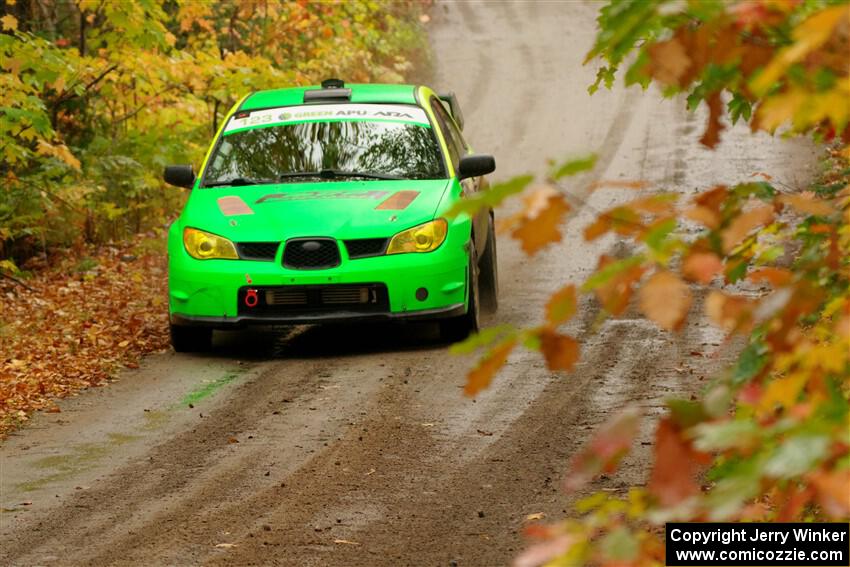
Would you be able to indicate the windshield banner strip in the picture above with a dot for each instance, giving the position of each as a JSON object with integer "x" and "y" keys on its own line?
{"x": 293, "y": 114}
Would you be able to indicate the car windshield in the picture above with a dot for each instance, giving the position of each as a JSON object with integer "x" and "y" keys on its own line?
{"x": 328, "y": 150}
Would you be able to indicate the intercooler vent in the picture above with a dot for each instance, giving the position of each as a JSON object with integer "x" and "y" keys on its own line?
{"x": 315, "y": 299}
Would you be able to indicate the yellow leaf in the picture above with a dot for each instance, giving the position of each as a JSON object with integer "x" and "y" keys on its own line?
{"x": 782, "y": 392}
{"x": 779, "y": 109}
{"x": 535, "y": 516}
{"x": 665, "y": 299}
{"x": 807, "y": 36}
{"x": 59, "y": 151}
{"x": 9, "y": 22}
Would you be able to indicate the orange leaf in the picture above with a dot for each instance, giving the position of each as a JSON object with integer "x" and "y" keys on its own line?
{"x": 741, "y": 226}
{"x": 807, "y": 204}
{"x": 609, "y": 444}
{"x": 730, "y": 313}
{"x": 561, "y": 351}
{"x": 561, "y": 306}
{"x": 775, "y": 276}
{"x": 711, "y": 136}
{"x": 616, "y": 293}
{"x": 665, "y": 299}
{"x": 535, "y": 233}
{"x": 701, "y": 267}
{"x": 833, "y": 492}
{"x": 481, "y": 376}
{"x": 668, "y": 61}
{"x": 713, "y": 198}
{"x": 704, "y": 216}
{"x": 673, "y": 476}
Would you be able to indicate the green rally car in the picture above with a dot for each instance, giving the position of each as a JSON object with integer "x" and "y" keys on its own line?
{"x": 327, "y": 204}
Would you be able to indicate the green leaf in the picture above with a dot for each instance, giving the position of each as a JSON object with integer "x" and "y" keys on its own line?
{"x": 797, "y": 456}
{"x": 656, "y": 237}
{"x": 491, "y": 197}
{"x": 750, "y": 362}
{"x": 574, "y": 166}
{"x": 725, "y": 435}
{"x": 483, "y": 338}
{"x": 620, "y": 545}
{"x": 739, "y": 107}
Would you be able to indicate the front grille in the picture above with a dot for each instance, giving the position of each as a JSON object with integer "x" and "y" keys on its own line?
{"x": 311, "y": 253}
{"x": 365, "y": 247}
{"x": 257, "y": 250}
{"x": 315, "y": 299}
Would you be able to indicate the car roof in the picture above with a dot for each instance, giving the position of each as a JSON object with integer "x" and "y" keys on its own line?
{"x": 373, "y": 93}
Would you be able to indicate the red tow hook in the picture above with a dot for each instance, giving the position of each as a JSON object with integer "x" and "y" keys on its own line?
{"x": 251, "y": 298}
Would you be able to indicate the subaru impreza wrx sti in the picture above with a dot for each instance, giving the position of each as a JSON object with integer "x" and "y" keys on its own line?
{"x": 327, "y": 204}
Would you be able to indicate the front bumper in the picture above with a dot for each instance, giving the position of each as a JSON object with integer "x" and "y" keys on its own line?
{"x": 305, "y": 319}
{"x": 208, "y": 292}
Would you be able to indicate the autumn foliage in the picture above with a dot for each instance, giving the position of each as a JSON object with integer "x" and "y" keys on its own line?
{"x": 769, "y": 440}
{"x": 97, "y": 96}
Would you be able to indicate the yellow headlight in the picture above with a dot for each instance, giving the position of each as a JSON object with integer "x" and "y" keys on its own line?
{"x": 205, "y": 246}
{"x": 423, "y": 238}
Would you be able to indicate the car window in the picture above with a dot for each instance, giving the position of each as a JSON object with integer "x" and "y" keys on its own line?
{"x": 449, "y": 127}
{"x": 440, "y": 115}
{"x": 401, "y": 149}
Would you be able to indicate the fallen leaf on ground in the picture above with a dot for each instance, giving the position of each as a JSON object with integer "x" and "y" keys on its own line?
{"x": 345, "y": 542}
{"x": 535, "y": 516}
{"x": 226, "y": 545}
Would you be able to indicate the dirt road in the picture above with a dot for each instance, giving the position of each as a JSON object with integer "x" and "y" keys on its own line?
{"x": 355, "y": 446}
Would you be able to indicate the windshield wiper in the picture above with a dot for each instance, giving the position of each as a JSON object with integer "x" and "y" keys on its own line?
{"x": 238, "y": 182}
{"x": 338, "y": 173}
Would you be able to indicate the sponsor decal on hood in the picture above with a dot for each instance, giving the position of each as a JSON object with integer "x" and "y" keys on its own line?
{"x": 323, "y": 112}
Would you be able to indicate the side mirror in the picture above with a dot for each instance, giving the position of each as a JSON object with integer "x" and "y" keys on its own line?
{"x": 179, "y": 175}
{"x": 476, "y": 165}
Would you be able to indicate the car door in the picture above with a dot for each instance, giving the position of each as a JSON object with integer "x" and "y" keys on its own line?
{"x": 458, "y": 148}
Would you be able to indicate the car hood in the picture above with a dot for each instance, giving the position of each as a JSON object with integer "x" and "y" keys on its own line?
{"x": 339, "y": 209}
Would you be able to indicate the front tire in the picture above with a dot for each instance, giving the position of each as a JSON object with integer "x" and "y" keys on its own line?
{"x": 488, "y": 282}
{"x": 458, "y": 328}
{"x": 190, "y": 339}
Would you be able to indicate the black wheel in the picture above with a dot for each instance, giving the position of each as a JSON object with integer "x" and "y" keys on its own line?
{"x": 190, "y": 339}
{"x": 458, "y": 328}
{"x": 488, "y": 279}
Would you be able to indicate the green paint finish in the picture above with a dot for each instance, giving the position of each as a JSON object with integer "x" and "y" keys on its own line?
{"x": 370, "y": 93}
{"x": 345, "y": 209}
{"x": 206, "y": 389}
